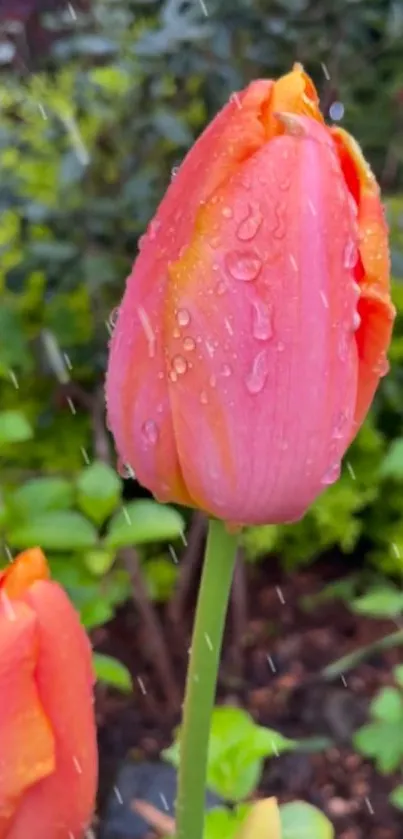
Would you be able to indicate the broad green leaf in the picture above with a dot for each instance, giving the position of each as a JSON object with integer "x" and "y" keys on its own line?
{"x": 112, "y": 672}
{"x": 388, "y": 705}
{"x": 262, "y": 822}
{"x": 237, "y": 748}
{"x": 41, "y": 494}
{"x": 14, "y": 428}
{"x": 385, "y": 601}
{"x": 382, "y": 742}
{"x": 398, "y": 674}
{"x": 396, "y": 797}
{"x": 58, "y": 530}
{"x": 98, "y": 491}
{"x": 223, "y": 823}
{"x": 140, "y": 522}
{"x": 300, "y": 820}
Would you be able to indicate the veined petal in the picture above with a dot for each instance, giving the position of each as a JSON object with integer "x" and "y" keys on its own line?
{"x": 61, "y": 805}
{"x": 27, "y": 749}
{"x": 267, "y": 393}
{"x": 372, "y": 272}
{"x": 137, "y": 380}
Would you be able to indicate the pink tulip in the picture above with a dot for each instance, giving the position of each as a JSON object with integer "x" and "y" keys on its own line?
{"x": 255, "y": 323}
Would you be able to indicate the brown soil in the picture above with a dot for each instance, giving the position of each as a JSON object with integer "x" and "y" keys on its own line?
{"x": 274, "y": 671}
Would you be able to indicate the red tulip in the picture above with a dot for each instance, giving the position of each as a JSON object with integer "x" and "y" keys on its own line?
{"x": 48, "y": 758}
{"x": 255, "y": 323}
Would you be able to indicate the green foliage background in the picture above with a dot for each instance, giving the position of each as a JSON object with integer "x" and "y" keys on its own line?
{"x": 88, "y": 139}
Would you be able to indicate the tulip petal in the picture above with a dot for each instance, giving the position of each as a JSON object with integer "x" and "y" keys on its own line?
{"x": 28, "y": 567}
{"x": 137, "y": 384}
{"x": 27, "y": 752}
{"x": 372, "y": 273}
{"x": 270, "y": 295}
{"x": 62, "y": 804}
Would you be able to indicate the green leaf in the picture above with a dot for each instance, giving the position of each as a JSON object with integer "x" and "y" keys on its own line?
{"x": 55, "y": 530}
{"x": 99, "y": 490}
{"x": 112, "y": 672}
{"x": 160, "y": 575}
{"x": 141, "y": 522}
{"x": 383, "y": 742}
{"x": 41, "y": 494}
{"x": 99, "y": 562}
{"x": 381, "y": 602}
{"x": 14, "y": 428}
{"x": 300, "y": 820}
{"x": 237, "y": 748}
{"x": 398, "y": 674}
{"x": 388, "y": 705}
{"x": 396, "y": 797}
{"x": 392, "y": 464}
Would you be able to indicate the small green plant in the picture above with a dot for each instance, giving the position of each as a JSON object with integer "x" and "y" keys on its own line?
{"x": 238, "y": 748}
{"x": 382, "y": 738}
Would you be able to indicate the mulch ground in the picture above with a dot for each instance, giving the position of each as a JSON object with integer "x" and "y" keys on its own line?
{"x": 275, "y": 674}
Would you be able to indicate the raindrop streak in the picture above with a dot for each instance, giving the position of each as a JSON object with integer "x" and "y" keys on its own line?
{"x": 183, "y": 317}
{"x": 249, "y": 227}
{"x": 350, "y": 254}
{"x": 332, "y": 475}
{"x": 150, "y": 432}
{"x": 256, "y": 379}
{"x": 179, "y": 364}
{"x": 149, "y": 332}
{"x": 243, "y": 266}
{"x": 262, "y": 328}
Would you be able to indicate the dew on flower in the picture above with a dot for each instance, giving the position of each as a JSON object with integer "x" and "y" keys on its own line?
{"x": 149, "y": 332}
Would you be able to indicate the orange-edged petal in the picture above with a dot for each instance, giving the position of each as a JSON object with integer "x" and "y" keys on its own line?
{"x": 28, "y": 567}
{"x": 372, "y": 272}
{"x": 293, "y": 93}
{"x": 27, "y": 749}
{"x": 137, "y": 380}
{"x": 61, "y": 805}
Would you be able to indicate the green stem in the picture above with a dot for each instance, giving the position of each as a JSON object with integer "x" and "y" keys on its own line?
{"x": 215, "y": 587}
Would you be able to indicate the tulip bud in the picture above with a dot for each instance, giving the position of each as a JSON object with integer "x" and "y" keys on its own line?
{"x": 48, "y": 753}
{"x": 255, "y": 323}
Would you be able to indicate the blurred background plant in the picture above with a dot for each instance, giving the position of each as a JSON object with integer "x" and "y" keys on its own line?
{"x": 100, "y": 100}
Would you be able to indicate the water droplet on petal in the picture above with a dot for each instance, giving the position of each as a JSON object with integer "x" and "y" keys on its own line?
{"x": 213, "y": 380}
{"x": 179, "y": 364}
{"x": 226, "y": 370}
{"x": 249, "y": 227}
{"x": 256, "y": 379}
{"x": 183, "y": 317}
{"x": 221, "y": 288}
{"x": 227, "y": 212}
{"x": 262, "y": 328}
{"x": 339, "y": 426}
{"x": 150, "y": 432}
{"x": 141, "y": 242}
{"x": 356, "y": 321}
{"x": 174, "y": 172}
{"x": 203, "y": 397}
{"x": 113, "y": 317}
{"x": 125, "y": 470}
{"x": 350, "y": 256}
{"x": 189, "y": 344}
{"x": 153, "y": 229}
{"x": 331, "y": 475}
{"x": 383, "y": 366}
{"x": 173, "y": 376}
{"x": 243, "y": 265}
